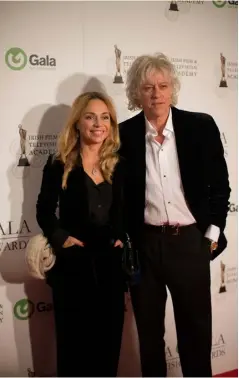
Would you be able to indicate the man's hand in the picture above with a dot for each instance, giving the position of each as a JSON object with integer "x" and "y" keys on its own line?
{"x": 212, "y": 244}
{"x": 70, "y": 241}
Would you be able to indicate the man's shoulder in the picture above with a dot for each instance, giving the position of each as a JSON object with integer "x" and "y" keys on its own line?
{"x": 199, "y": 116}
{"x": 130, "y": 123}
{"x": 195, "y": 121}
{"x": 119, "y": 168}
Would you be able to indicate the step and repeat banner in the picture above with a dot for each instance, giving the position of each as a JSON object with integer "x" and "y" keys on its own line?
{"x": 50, "y": 53}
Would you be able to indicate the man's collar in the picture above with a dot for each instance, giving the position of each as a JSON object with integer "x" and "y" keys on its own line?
{"x": 150, "y": 129}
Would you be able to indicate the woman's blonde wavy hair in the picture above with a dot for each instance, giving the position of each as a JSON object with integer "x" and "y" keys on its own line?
{"x": 68, "y": 149}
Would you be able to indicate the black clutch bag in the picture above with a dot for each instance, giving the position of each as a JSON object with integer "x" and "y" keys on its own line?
{"x": 130, "y": 262}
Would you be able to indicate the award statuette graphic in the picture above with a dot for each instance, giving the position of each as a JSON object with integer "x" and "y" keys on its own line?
{"x": 23, "y": 161}
{"x": 118, "y": 77}
{"x": 223, "y": 82}
{"x": 173, "y": 6}
{"x": 223, "y": 286}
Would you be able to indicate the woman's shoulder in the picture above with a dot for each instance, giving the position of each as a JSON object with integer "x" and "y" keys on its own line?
{"x": 54, "y": 164}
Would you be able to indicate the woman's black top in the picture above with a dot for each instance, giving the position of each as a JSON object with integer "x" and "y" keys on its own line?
{"x": 100, "y": 201}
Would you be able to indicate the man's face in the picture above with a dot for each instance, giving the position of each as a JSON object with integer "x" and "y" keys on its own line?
{"x": 156, "y": 94}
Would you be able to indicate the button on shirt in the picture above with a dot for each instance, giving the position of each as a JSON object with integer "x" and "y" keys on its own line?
{"x": 165, "y": 201}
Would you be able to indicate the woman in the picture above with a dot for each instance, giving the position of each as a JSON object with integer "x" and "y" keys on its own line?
{"x": 85, "y": 178}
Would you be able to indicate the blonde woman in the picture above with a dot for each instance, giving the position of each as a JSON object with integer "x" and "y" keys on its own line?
{"x": 85, "y": 178}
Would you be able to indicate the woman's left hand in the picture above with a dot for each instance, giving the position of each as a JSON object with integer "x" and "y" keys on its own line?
{"x": 118, "y": 243}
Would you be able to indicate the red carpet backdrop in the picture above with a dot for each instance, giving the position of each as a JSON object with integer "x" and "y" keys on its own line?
{"x": 51, "y": 52}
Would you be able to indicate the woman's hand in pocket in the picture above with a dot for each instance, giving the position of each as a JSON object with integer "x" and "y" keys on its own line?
{"x": 118, "y": 243}
{"x": 70, "y": 242}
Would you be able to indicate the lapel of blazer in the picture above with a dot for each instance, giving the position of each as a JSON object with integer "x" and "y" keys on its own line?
{"x": 183, "y": 145}
{"x": 140, "y": 124}
{"x": 134, "y": 151}
{"x": 140, "y": 150}
{"x": 78, "y": 190}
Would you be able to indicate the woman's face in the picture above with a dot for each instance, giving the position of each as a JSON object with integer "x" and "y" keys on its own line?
{"x": 94, "y": 124}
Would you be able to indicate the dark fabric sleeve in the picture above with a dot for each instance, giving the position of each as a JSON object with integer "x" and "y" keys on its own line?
{"x": 216, "y": 167}
{"x": 118, "y": 203}
{"x": 47, "y": 204}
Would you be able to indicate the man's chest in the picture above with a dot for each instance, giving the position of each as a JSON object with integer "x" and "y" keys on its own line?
{"x": 162, "y": 162}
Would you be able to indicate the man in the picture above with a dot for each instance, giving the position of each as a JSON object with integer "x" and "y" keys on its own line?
{"x": 177, "y": 193}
